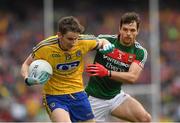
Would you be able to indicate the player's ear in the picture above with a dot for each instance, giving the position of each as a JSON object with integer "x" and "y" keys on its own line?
{"x": 59, "y": 34}
{"x": 138, "y": 31}
{"x": 119, "y": 29}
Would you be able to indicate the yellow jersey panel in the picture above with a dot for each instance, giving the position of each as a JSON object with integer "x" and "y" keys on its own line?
{"x": 67, "y": 65}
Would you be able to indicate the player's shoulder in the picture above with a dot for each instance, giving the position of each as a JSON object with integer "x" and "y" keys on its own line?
{"x": 140, "y": 49}
{"x": 46, "y": 42}
{"x": 138, "y": 46}
{"x": 50, "y": 39}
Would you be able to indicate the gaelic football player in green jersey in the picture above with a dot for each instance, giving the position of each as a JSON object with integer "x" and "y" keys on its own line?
{"x": 109, "y": 71}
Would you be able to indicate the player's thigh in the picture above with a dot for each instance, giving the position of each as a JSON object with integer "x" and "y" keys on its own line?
{"x": 56, "y": 108}
{"x": 60, "y": 115}
{"x": 131, "y": 110}
{"x": 80, "y": 108}
{"x": 100, "y": 108}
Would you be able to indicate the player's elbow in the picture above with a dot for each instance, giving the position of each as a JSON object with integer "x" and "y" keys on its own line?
{"x": 132, "y": 79}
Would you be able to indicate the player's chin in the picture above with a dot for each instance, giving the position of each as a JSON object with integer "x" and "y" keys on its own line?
{"x": 128, "y": 42}
{"x": 71, "y": 46}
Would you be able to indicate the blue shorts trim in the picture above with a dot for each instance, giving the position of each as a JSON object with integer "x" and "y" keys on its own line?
{"x": 77, "y": 104}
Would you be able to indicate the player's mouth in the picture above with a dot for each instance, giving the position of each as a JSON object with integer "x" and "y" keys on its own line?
{"x": 128, "y": 39}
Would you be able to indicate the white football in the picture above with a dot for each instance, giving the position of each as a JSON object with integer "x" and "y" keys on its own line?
{"x": 37, "y": 66}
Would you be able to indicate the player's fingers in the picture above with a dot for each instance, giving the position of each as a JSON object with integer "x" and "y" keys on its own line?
{"x": 91, "y": 70}
{"x": 41, "y": 75}
{"x": 45, "y": 77}
{"x": 91, "y": 65}
{"x": 92, "y": 74}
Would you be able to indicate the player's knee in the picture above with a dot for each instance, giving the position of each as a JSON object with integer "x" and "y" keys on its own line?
{"x": 146, "y": 118}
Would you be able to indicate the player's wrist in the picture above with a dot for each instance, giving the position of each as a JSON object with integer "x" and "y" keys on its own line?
{"x": 30, "y": 81}
{"x": 109, "y": 73}
{"x": 27, "y": 82}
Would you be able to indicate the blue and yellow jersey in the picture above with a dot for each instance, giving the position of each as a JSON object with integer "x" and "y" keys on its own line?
{"x": 67, "y": 65}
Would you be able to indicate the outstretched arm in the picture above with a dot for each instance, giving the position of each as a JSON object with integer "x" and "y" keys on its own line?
{"x": 102, "y": 44}
{"x": 128, "y": 77}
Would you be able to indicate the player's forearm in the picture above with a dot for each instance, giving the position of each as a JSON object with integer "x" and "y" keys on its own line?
{"x": 25, "y": 66}
{"x": 102, "y": 42}
{"x": 125, "y": 77}
{"x": 24, "y": 70}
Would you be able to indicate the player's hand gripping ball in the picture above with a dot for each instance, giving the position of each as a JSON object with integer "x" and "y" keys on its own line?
{"x": 40, "y": 72}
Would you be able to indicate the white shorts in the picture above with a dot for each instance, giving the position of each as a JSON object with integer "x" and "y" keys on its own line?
{"x": 102, "y": 108}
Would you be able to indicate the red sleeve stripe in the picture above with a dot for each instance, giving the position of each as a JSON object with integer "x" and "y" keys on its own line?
{"x": 139, "y": 63}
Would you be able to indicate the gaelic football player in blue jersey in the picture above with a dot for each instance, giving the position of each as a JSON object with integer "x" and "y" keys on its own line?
{"x": 109, "y": 71}
{"x": 64, "y": 95}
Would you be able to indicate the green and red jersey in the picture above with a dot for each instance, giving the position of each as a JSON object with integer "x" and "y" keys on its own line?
{"x": 119, "y": 60}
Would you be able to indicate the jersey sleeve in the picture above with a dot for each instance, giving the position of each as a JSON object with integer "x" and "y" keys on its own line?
{"x": 37, "y": 54}
{"x": 89, "y": 45}
{"x": 141, "y": 57}
{"x": 89, "y": 42}
{"x": 39, "y": 51}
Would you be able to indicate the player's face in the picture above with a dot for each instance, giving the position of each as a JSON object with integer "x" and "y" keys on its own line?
{"x": 128, "y": 33}
{"x": 68, "y": 40}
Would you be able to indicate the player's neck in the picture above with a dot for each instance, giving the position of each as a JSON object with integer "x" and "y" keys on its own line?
{"x": 124, "y": 44}
{"x": 61, "y": 46}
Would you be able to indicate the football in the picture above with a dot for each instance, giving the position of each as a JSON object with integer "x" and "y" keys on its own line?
{"x": 37, "y": 66}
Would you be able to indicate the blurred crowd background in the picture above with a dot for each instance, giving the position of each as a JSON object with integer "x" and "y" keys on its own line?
{"x": 21, "y": 27}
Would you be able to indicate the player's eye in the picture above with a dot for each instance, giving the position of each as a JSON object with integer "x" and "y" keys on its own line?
{"x": 133, "y": 30}
{"x": 70, "y": 38}
{"x": 125, "y": 29}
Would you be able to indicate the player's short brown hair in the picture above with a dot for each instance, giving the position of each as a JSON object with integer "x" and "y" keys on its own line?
{"x": 130, "y": 17}
{"x": 69, "y": 24}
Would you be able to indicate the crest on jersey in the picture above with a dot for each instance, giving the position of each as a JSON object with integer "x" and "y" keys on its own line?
{"x": 52, "y": 104}
{"x": 67, "y": 56}
{"x": 78, "y": 53}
